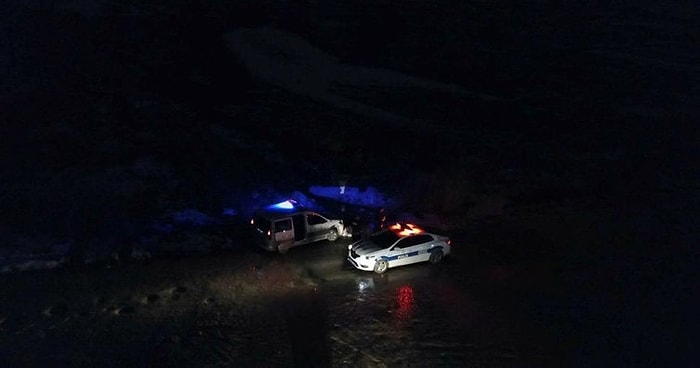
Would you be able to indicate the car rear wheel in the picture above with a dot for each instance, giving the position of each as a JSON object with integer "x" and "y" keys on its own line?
{"x": 332, "y": 235}
{"x": 381, "y": 266}
{"x": 436, "y": 256}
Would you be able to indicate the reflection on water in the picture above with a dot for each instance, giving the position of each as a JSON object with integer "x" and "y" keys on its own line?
{"x": 414, "y": 315}
{"x": 406, "y": 302}
{"x": 364, "y": 285}
{"x": 403, "y": 305}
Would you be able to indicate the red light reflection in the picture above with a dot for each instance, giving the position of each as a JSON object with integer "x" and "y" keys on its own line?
{"x": 406, "y": 301}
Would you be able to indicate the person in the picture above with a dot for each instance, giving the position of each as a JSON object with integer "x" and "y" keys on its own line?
{"x": 360, "y": 224}
{"x": 381, "y": 218}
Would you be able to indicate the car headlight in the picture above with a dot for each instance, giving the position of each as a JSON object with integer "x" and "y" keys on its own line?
{"x": 350, "y": 247}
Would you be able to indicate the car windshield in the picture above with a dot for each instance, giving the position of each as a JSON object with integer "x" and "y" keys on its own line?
{"x": 384, "y": 239}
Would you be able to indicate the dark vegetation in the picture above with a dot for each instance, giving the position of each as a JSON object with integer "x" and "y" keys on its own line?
{"x": 123, "y": 114}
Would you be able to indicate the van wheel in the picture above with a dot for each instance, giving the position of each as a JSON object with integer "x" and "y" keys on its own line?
{"x": 332, "y": 235}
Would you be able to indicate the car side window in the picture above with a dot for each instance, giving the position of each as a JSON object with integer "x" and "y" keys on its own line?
{"x": 405, "y": 243}
{"x": 423, "y": 238}
{"x": 283, "y": 225}
{"x": 413, "y": 240}
{"x": 314, "y": 219}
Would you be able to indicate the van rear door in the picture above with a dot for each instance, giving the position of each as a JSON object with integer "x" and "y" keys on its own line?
{"x": 283, "y": 231}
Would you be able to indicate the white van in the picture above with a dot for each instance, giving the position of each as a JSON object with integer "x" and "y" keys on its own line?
{"x": 279, "y": 229}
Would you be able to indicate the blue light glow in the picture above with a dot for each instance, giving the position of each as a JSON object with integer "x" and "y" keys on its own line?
{"x": 285, "y": 205}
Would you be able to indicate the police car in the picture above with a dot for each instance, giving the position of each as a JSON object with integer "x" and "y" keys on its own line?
{"x": 398, "y": 245}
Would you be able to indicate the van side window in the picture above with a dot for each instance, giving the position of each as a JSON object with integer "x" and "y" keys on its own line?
{"x": 283, "y": 225}
{"x": 315, "y": 219}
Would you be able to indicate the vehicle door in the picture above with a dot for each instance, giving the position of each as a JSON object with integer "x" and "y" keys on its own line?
{"x": 423, "y": 244}
{"x": 411, "y": 249}
{"x": 317, "y": 226}
{"x": 299, "y": 223}
{"x": 283, "y": 232}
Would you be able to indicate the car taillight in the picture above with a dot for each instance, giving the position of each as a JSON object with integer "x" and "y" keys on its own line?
{"x": 448, "y": 241}
{"x": 269, "y": 234}
{"x": 252, "y": 221}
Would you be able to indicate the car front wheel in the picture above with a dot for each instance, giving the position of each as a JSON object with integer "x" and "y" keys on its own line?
{"x": 436, "y": 256}
{"x": 332, "y": 235}
{"x": 381, "y": 266}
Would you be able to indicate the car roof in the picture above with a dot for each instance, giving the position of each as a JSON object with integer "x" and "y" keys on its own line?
{"x": 405, "y": 229}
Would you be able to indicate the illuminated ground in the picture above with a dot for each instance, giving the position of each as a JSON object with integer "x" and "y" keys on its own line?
{"x": 245, "y": 309}
{"x": 499, "y": 300}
